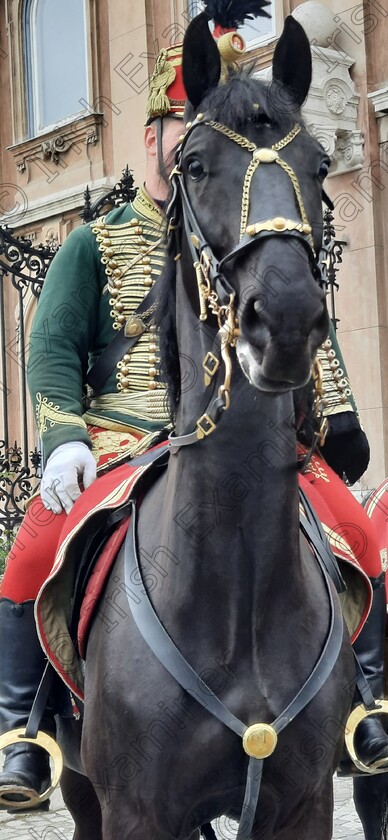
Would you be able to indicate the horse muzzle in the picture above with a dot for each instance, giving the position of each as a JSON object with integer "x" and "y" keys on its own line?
{"x": 277, "y": 369}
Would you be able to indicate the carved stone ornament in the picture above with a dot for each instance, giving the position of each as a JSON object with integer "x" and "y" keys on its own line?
{"x": 335, "y": 99}
{"x": 54, "y": 144}
{"x": 331, "y": 108}
{"x": 52, "y": 240}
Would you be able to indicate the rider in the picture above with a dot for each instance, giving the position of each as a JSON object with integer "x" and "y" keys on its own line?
{"x": 98, "y": 278}
{"x": 346, "y": 454}
{"x": 96, "y": 281}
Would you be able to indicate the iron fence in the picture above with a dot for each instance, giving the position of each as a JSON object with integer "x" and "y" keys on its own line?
{"x": 23, "y": 268}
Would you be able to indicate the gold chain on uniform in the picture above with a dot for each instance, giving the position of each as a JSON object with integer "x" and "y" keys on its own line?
{"x": 133, "y": 255}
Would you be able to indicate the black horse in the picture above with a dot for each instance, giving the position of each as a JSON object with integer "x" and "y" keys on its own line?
{"x": 218, "y": 532}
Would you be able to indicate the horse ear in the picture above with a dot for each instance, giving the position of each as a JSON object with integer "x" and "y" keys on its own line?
{"x": 201, "y": 62}
{"x": 292, "y": 60}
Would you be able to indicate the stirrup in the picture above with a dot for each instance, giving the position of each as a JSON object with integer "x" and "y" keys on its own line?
{"x": 17, "y": 736}
{"x": 355, "y": 718}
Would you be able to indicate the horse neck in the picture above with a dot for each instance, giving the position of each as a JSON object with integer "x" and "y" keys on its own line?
{"x": 236, "y": 490}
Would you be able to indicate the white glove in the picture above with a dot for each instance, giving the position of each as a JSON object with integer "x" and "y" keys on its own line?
{"x": 66, "y": 466}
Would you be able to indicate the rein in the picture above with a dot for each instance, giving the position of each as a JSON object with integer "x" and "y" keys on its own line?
{"x": 259, "y": 740}
{"x": 216, "y": 295}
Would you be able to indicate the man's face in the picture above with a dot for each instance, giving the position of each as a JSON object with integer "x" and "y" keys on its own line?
{"x": 157, "y": 181}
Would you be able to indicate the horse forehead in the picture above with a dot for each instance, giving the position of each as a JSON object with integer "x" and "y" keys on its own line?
{"x": 214, "y": 136}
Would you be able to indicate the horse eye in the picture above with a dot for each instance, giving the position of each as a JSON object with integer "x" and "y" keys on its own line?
{"x": 323, "y": 169}
{"x": 195, "y": 170}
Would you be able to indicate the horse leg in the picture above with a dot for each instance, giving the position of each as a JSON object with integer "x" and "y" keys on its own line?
{"x": 316, "y": 820}
{"x": 81, "y": 800}
{"x": 371, "y": 801}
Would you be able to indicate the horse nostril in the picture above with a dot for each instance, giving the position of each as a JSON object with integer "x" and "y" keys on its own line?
{"x": 253, "y": 324}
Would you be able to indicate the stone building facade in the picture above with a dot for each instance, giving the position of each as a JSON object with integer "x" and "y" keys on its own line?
{"x": 74, "y": 80}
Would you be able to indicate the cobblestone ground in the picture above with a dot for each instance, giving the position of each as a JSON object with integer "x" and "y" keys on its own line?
{"x": 58, "y": 825}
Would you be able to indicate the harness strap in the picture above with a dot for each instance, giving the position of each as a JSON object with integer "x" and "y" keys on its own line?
{"x": 332, "y": 568}
{"x": 161, "y": 644}
{"x": 124, "y": 340}
{"x": 363, "y": 686}
{"x": 39, "y": 704}
{"x": 311, "y": 527}
{"x": 205, "y": 425}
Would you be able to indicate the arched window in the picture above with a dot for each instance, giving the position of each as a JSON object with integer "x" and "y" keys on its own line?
{"x": 55, "y": 36}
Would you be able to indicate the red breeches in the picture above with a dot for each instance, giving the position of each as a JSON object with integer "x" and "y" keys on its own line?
{"x": 32, "y": 554}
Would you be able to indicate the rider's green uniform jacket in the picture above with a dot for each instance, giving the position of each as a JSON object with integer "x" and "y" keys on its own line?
{"x": 337, "y": 393}
{"x": 98, "y": 278}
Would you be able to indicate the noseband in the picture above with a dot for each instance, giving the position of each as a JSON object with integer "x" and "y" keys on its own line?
{"x": 215, "y": 291}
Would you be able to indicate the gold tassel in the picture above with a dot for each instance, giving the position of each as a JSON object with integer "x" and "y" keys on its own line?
{"x": 163, "y": 76}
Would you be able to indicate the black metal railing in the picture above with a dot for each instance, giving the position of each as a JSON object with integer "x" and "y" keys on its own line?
{"x": 22, "y": 271}
{"x": 334, "y": 248}
{"x": 23, "y": 268}
{"x": 121, "y": 193}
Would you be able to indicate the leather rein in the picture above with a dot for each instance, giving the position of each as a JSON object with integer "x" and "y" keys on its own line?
{"x": 259, "y": 740}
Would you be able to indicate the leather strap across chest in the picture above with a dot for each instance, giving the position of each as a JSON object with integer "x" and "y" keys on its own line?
{"x": 172, "y": 659}
{"x": 124, "y": 340}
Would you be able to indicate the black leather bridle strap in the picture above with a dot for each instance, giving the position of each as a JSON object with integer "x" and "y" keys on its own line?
{"x": 159, "y": 145}
{"x": 161, "y": 643}
{"x": 122, "y": 342}
{"x": 205, "y": 425}
{"x": 156, "y": 636}
{"x": 312, "y": 528}
{"x": 199, "y": 245}
{"x": 40, "y": 701}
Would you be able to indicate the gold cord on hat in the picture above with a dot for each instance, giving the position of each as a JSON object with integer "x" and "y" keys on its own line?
{"x": 163, "y": 76}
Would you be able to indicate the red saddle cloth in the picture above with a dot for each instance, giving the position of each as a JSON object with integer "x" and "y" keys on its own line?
{"x": 52, "y": 610}
{"x": 105, "y": 495}
{"x": 376, "y": 509}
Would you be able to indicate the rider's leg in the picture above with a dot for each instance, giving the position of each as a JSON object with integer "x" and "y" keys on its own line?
{"x": 352, "y": 524}
{"x": 371, "y": 742}
{"x": 26, "y": 770}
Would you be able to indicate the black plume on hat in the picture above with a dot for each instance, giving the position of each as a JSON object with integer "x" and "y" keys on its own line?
{"x": 232, "y": 13}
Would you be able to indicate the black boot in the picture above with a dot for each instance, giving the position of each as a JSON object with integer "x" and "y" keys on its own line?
{"x": 26, "y": 772}
{"x": 371, "y": 741}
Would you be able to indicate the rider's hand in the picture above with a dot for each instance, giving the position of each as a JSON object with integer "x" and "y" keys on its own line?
{"x": 66, "y": 467}
{"x": 346, "y": 448}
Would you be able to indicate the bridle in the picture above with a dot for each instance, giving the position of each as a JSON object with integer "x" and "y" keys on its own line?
{"x": 216, "y": 295}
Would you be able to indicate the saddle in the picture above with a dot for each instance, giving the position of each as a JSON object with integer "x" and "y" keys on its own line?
{"x": 94, "y": 533}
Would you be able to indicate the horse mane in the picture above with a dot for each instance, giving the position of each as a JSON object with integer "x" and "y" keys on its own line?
{"x": 236, "y": 102}
{"x": 240, "y": 102}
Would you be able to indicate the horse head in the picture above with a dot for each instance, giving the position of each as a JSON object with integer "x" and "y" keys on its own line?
{"x": 248, "y": 185}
